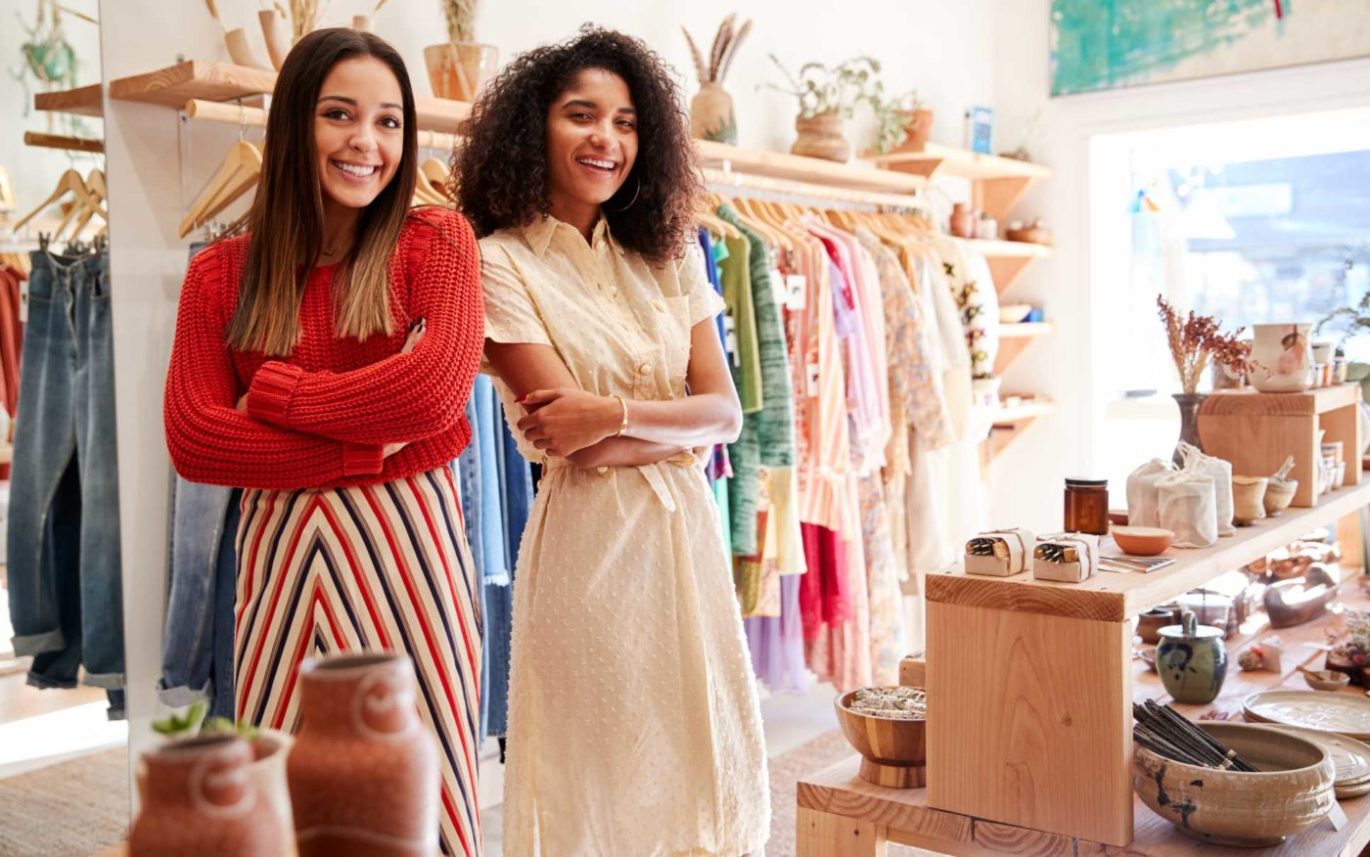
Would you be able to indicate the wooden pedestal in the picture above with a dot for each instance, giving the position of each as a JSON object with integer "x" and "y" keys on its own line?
{"x": 1256, "y": 431}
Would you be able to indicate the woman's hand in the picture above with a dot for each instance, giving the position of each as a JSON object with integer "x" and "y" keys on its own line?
{"x": 564, "y": 420}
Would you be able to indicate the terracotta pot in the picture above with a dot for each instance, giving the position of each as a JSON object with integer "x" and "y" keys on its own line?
{"x": 458, "y": 70}
{"x": 198, "y": 797}
{"x": 363, "y": 774}
{"x": 918, "y": 128}
{"x": 711, "y": 115}
{"x": 271, "y": 749}
{"x": 821, "y": 136}
{"x": 1282, "y": 358}
{"x": 962, "y": 223}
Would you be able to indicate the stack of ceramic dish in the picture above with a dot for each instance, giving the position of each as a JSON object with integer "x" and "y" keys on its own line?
{"x": 1339, "y": 723}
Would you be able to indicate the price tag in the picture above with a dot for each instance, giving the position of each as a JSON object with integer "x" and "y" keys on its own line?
{"x": 812, "y": 377}
{"x": 24, "y": 301}
{"x": 796, "y": 285}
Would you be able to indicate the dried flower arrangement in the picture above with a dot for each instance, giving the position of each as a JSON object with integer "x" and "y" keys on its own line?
{"x": 1195, "y": 339}
{"x": 721, "y": 53}
{"x": 461, "y": 20}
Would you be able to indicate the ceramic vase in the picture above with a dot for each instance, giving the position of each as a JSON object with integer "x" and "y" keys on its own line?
{"x": 1281, "y": 358}
{"x": 917, "y": 130}
{"x": 711, "y": 115}
{"x": 363, "y": 774}
{"x": 821, "y": 137}
{"x": 459, "y": 70}
{"x": 198, "y": 797}
{"x": 962, "y": 223}
{"x": 1189, "y": 404}
{"x": 270, "y": 749}
{"x": 1192, "y": 661}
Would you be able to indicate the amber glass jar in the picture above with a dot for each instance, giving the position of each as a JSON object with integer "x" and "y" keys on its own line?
{"x": 1087, "y": 506}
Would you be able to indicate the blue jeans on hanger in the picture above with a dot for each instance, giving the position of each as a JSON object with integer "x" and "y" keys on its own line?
{"x": 197, "y": 639}
{"x": 65, "y": 583}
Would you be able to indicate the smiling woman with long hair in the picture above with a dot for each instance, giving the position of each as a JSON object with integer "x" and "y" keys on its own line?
{"x": 634, "y": 728}
{"x": 323, "y": 362}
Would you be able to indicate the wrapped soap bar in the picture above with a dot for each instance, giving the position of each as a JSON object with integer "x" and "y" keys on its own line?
{"x": 1068, "y": 557}
{"x": 1000, "y": 553}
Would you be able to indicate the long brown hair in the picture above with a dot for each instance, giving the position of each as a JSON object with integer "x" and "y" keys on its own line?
{"x": 286, "y": 218}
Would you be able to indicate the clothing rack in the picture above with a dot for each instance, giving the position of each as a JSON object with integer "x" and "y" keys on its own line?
{"x": 728, "y": 182}
{"x": 59, "y": 141}
{"x": 231, "y": 113}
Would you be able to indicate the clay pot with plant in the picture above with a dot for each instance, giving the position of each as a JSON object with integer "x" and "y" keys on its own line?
{"x": 828, "y": 97}
{"x": 711, "y": 110}
{"x": 459, "y": 68}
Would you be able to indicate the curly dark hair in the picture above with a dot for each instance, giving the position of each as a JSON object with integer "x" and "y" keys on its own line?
{"x": 501, "y": 172}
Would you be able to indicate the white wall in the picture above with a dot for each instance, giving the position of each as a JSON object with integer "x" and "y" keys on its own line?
{"x": 945, "y": 50}
{"x": 34, "y": 171}
{"x": 1074, "y": 285}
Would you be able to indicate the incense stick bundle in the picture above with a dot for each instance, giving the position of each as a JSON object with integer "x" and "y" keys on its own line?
{"x": 1165, "y": 732}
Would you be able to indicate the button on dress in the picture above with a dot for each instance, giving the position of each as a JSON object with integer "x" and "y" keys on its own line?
{"x": 634, "y": 728}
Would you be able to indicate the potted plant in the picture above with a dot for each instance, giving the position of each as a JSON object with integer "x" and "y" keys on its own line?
{"x": 269, "y": 747}
{"x": 827, "y": 99}
{"x": 459, "y": 68}
{"x": 1356, "y": 320}
{"x": 905, "y": 124}
{"x": 711, "y": 110}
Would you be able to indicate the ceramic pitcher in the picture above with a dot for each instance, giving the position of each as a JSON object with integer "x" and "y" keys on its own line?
{"x": 1281, "y": 357}
{"x": 199, "y": 798}
{"x": 1191, "y": 660}
{"x": 364, "y": 776}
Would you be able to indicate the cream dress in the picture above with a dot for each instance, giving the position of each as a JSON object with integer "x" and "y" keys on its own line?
{"x": 634, "y": 728}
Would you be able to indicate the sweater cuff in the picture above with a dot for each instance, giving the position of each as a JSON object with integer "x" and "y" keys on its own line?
{"x": 362, "y": 460}
{"x": 269, "y": 394}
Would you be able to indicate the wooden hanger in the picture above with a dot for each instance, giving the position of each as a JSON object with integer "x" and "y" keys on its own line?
{"x": 95, "y": 183}
{"x": 747, "y": 211}
{"x": 70, "y": 182}
{"x": 436, "y": 174}
{"x": 239, "y": 173}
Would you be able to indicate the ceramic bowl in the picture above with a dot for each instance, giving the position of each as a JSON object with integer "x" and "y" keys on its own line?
{"x": 1279, "y": 493}
{"x": 1292, "y": 790}
{"x": 1142, "y": 541}
{"x": 1248, "y": 499}
{"x": 893, "y": 752}
{"x": 1326, "y": 679}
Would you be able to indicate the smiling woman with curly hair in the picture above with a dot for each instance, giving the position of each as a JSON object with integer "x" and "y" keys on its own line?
{"x": 634, "y": 727}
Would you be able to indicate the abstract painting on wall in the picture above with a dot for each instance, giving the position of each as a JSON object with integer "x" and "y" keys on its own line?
{"x": 1104, "y": 44}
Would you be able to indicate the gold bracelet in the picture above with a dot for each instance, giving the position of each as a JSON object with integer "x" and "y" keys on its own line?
{"x": 623, "y": 426}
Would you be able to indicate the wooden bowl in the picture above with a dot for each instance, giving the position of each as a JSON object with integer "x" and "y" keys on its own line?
{"x": 893, "y": 752}
{"x": 1279, "y": 493}
{"x": 1292, "y": 790}
{"x": 1142, "y": 541}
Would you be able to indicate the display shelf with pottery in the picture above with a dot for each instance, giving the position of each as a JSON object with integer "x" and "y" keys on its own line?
{"x": 1258, "y": 431}
{"x": 1075, "y": 640}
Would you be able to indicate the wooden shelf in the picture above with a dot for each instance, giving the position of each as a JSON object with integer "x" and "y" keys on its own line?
{"x": 1011, "y": 421}
{"x": 938, "y": 160}
{"x": 856, "y": 175}
{"x": 84, "y": 101}
{"x": 1014, "y": 338}
{"x": 1114, "y": 597}
{"x": 996, "y": 249}
{"x": 61, "y": 141}
{"x": 174, "y": 85}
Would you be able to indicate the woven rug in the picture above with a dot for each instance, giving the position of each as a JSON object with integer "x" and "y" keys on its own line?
{"x": 786, "y": 771}
{"x": 71, "y": 809}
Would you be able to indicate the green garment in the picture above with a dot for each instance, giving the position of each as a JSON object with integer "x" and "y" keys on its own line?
{"x": 735, "y": 274}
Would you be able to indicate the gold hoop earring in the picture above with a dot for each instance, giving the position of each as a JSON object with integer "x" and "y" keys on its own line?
{"x": 633, "y": 200}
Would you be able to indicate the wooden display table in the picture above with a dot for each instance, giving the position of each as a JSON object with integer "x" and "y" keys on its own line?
{"x": 1030, "y": 682}
{"x": 841, "y": 815}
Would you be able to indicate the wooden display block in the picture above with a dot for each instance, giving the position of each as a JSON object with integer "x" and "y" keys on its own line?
{"x": 1257, "y": 431}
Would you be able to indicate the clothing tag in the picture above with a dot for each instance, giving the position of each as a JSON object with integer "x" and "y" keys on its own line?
{"x": 24, "y": 301}
{"x": 812, "y": 376}
{"x": 730, "y": 338}
{"x": 797, "y": 287}
{"x": 779, "y": 290}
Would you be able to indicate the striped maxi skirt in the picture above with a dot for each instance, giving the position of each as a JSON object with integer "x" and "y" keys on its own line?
{"x": 383, "y": 566}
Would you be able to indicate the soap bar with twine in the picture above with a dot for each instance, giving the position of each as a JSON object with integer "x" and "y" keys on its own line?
{"x": 1068, "y": 557}
{"x": 999, "y": 553}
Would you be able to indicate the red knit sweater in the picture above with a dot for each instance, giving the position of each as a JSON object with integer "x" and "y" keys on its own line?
{"x": 320, "y": 417}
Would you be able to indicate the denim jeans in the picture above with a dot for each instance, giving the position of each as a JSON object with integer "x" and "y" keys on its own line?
{"x": 197, "y": 638}
{"x": 65, "y": 590}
